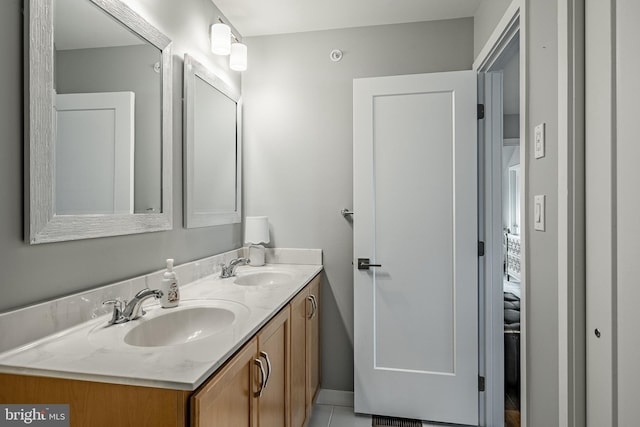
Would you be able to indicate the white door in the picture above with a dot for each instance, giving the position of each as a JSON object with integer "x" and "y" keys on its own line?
{"x": 94, "y": 153}
{"x": 415, "y": 204}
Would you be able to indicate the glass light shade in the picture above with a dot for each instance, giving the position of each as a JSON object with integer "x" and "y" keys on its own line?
{"x": 256, "y": 229}
{"x": 238, "y": 59}
{"x": 220, "y": 39}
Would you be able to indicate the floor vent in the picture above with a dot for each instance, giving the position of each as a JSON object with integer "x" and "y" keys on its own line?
{"x": 379, "y": 421}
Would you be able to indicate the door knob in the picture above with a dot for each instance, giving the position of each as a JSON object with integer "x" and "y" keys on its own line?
{"x": 363, "y": 264}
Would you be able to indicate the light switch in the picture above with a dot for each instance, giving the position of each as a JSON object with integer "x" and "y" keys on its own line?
{"x": 538, "y": 140}
{"x": 538, "y": 212}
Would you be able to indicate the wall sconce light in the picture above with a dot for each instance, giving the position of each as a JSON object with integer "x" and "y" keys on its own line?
{"x": 221, "y": 36}
{"x": 220, "y": 39}
{"x": 238, "y": 58}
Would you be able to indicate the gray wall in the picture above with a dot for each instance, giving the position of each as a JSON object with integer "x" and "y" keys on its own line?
{"x": 485, "y": 20}
{"x": 298, "y": 144}
{"x": 35, "y": 273}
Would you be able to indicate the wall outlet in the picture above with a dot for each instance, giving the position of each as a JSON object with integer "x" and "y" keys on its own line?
{"x": 538, "y": 212}
{"x": 538, "y": 140}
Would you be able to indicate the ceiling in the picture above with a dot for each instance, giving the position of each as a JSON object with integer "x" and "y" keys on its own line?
{"x": 262, "y": 17}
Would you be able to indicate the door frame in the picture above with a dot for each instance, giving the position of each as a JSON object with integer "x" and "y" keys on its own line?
{"x": 572, "y": 365}
{"x": 513, "y": 23}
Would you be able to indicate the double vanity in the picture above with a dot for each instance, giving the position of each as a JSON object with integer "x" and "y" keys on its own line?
{"x": 238, "y": 351}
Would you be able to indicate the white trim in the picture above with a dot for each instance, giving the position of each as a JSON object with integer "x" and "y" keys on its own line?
{"x": 571, "y": 232}
{"x": 524, "y": 211}
{"x": 601, "y": 206}
{"x": 494, "y": 314}
{"x": 563, "y": 212}
{"x": 335, "y": 397}
{"x": 514, "y": 22}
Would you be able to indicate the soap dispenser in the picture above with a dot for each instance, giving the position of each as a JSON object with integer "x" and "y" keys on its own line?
{"x": 169, "y": 287}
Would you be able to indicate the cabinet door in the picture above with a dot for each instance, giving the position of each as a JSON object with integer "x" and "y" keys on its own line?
{"x": 299, "y": 312}
{"x": 313, "y": 343}
{"x": 228, "y": 399}
{"x": 273, "y": 347}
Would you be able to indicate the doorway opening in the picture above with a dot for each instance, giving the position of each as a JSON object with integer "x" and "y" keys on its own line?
{"x": 503, "y": 181}
{"x": 502, "y": 184}
{"x": 511, "y": 230}
{"x": 502, "y": 212}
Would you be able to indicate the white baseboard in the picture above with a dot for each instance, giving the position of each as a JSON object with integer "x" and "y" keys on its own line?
{"x": 335, "y": 397}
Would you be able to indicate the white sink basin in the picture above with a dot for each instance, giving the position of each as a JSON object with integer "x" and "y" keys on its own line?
{"x": 266, "y": 278}
{"x": 180, "y": 327}
{"x": 189, "y": 322}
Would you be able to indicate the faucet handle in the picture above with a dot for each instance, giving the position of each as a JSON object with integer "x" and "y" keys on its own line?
{"x": 117, "y": 303}
{"x": 118, "y": 307}
{"x": 224, "y": 271}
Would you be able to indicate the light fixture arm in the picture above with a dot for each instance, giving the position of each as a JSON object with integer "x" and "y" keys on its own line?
{"x": 233, "y": 36}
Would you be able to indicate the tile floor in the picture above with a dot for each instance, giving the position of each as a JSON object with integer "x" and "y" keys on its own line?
{"x": 337, "y": 416}
{"x": 341, "y": 416}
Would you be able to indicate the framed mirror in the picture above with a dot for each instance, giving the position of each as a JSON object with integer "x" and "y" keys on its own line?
{"x": 97, "y": 122}
{"x": 212, "y": 148}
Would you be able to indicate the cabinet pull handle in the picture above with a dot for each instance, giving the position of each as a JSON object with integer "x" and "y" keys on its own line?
{"x": 266, "y": 358}
{"x": 263, "y": 377}
{"x": 314, "y": 301}
{"x": 313, "y": 307}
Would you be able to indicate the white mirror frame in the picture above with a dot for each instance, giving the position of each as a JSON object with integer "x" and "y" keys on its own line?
{"x": 193, "y": 68}
{"x": 42, "y": 225}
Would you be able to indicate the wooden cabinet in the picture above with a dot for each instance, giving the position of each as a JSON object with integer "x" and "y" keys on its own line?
{"x": 270, "y": 382}
{"x": 273, "y": 347}
{"x": 313, "y": 344}
{"x": 299, "y": 311}
{"x": 305, "y": 352}
{"x": 252, "y": 389}
{"x": 229, "y": 398}
{"x": 100, "y": 404}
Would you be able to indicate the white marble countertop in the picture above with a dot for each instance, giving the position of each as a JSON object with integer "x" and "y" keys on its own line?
{"x": 75, "y": 353}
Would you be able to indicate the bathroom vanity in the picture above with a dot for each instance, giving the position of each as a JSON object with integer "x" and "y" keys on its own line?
{"x": 262, "y": 369}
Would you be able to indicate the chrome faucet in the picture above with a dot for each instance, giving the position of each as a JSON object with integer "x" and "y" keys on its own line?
{"x": 126, "y": 311}
{"x": 230, "y": 270}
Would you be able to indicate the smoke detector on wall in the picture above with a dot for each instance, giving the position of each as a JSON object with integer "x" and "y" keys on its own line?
{"x": 335, "y": 55}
